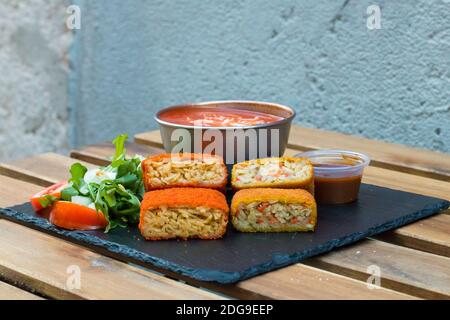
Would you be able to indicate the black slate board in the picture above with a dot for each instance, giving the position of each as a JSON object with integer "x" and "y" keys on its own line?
{"x": 240, "y": 256}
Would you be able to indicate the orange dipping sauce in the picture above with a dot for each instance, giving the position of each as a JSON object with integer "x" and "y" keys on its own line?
{"x": 217, "y": 117}
{"x": 336, "y": 190}
{"x": 337, "y": 175}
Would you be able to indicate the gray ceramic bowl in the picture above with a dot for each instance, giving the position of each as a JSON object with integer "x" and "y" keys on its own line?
{"x": 236, "y": 143}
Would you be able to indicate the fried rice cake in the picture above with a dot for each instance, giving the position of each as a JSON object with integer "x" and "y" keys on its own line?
{"x": 184, "y": 170}
{"x": 285, "y": 172}
{"x": 183, "y": 213}
{"x": 273, "y": 210}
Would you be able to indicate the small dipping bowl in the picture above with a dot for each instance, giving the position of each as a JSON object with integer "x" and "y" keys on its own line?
{"x": 337, "y": 174}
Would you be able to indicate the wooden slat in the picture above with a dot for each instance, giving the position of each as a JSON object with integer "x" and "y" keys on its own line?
{"x": 40, "y": 169}
{"x": 8, "y": 292}
{"x": 407, "y": 182}
{"x": 340, "y": 287}
{"x": 40, "y": 261}
{"x": 430, "y": 235}
{"x": 418, "y": 273}
{"x": 149, "y": 138}
{"x": 301, "y": 281}
{"x": 397, "y": 157}
{"x": 51, "y": 168}
{"x": 100, "y": 154}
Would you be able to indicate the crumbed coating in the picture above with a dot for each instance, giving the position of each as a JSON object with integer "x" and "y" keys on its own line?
{"x": 191, "y": 197}
{"x": 271, "y": 194}
{"x": 150, "y": 174}
{"x": 269, "y": 229}
{"x": 306, "y": 182}
{"x": 183, "y": 156}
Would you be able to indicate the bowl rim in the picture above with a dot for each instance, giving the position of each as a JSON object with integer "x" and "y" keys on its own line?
{"x": 208, "y": 103}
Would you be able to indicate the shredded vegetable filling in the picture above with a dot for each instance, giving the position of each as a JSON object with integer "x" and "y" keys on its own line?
{"x": 271, "y": 171}
{"x": 273, "y": 214}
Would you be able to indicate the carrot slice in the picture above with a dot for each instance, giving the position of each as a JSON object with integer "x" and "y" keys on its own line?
{"x": 262, "y": 207}
{"x": 73, "y": 216}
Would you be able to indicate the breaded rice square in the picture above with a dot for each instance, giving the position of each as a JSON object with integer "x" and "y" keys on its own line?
{"x": 183, "y": 213}
{"x": 286, "y": 172}
{"x": 273, "y": 210}
{"x": 184, "y": 170}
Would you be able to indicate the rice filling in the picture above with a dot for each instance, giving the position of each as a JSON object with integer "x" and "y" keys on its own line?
{"x": 164, "y": 173}
{"x": 183, "y": 222}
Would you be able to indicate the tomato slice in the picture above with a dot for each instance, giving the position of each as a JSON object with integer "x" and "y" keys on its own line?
{"x": 72, "y": 216}
{"x": 54, "y": 190}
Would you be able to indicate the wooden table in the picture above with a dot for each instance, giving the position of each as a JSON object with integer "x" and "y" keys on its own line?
{"x": 414, "y": 260}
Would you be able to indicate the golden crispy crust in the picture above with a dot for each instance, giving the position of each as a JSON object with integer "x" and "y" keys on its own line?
{"x": 188, "y": 197}
{"x": 219, "y": 187}
{"x": 271, "y": 194}
{"x": 184, "y": 156}
{"x": 307, "y": 184}
{"x": 268, "y": 229}
{"x": 285, "y": 196}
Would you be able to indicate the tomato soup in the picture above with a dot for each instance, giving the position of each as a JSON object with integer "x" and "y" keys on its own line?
{"x": 217, "y": 117}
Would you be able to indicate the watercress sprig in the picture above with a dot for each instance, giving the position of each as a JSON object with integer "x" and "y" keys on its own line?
{"x": 119, "y": 199}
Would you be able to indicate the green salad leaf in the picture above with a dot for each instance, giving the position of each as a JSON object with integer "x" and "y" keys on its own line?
{"x": 119, "y": 156}
{"x": 118, "y": 198}
{"x": 68, "y": 193}
{"x": 47, "y": 200}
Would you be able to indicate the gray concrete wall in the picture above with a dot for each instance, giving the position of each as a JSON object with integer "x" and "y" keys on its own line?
{"x": 317, "y": 56}
{"x": 134, "y": 57}
{"x": 33, "y": 77}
